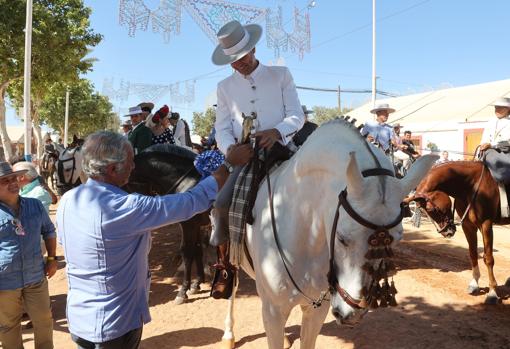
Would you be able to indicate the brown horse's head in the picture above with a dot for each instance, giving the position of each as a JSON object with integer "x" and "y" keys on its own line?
{"x": 438, "y": 206}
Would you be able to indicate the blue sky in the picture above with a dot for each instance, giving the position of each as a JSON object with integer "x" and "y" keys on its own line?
{"x": 421, "y": 45}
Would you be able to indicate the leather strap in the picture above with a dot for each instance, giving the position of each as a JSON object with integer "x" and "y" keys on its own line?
{"x": 377, "y": 172}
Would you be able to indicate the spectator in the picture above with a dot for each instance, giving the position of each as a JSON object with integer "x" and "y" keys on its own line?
{"x": 106, "y": 237}
{"x": 378, "y": 131}
{"x": 30, "y": 185}
{"x": 23, "y": 272}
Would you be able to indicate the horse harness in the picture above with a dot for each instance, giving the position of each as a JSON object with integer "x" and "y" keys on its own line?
{"x": 450, "y": 222}
{"x": 379, "y": 252}
{"x": 60, "y": 171}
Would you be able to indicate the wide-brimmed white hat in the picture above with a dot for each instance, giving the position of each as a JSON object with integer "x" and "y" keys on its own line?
{"x": 502, "y": 102}
{"x": 382, "y": 106}
{"x": 235, "y": 41}
{"x": 134, "y": 111}
{"x": 6, "y": 170}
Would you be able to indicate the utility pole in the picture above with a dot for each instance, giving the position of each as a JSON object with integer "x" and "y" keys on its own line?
{"x": 26, "y": 83}
{"x": 374, "y": 82}
{"x": 339, "y": 100}
{"x": 66, "y": 120}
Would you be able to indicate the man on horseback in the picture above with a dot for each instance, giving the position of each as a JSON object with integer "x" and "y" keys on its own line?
{"x": 49, "y": 153}
{"x": 378, "y": 131}
{"x": 266, "y": 93}
{"x": 140, "y": 136}
{"x": 495, "y": 143}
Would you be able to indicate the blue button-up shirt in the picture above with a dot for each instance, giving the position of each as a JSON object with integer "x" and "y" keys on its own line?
{"x": 105, "y": 233}
{"x": 382, "y": 133}
{"x": 21, "y": 261}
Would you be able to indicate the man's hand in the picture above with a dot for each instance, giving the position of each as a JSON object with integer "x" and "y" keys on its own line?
{"x": 370, "y": 138}
{"x": 239, "y": 154}
{"x": 485, "y": 146}
{"x": 50, "y": 268}
{"x": 267, "y": 138}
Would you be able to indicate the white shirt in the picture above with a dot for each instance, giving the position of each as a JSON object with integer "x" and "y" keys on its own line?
{"x": 180, "y": 133}
{"x": 497, "y": 130}
{"x": 268, "y": 91}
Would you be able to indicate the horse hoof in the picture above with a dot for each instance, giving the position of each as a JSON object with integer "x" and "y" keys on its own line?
{"x": 194, "y": 289}
{"x": 228, "y": 343}
{"x": 286, "y": 342}
{"x": 507, "y": 283}
{"x": 473, "y": 289}
{"x": 491, "y": 300}
{"x": 179, "y": 300}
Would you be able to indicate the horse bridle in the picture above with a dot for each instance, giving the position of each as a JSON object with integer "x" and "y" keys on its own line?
{"x": 380, "y": 237}
{"x": 450, "y": 222}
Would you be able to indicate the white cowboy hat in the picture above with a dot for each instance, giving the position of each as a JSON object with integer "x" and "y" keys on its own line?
{"x": 502, "y": 102}
{"x": 146, "y": 105}
{"x": 383, "y": 106}
{"x": 235, "y": 41}
{"x": 6, "y": 170}
{"x": 134, "y": 111}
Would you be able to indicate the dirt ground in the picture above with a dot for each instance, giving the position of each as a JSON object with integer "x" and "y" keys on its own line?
{"x": 434, "y": 309}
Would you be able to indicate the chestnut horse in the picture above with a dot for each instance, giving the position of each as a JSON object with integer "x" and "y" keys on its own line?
{"x": 477, "y": 201}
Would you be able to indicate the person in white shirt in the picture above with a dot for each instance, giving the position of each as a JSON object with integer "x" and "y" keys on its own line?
{"x": 253, "y": 88}
{"x": 498, "y": 129}
{"x": 180, "y": 130}
{"x": 495, "y": 144}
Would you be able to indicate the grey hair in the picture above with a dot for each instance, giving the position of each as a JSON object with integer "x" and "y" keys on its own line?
{"x": 29, "y": 167}
{"x": 101, "y": 149}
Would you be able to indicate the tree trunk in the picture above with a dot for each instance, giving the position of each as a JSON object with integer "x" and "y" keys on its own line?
{"x": 6, "y": 141}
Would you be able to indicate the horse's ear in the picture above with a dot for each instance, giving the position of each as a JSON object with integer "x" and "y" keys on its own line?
{"x": 417, "y": 172}
{"x": 354, "y": 177}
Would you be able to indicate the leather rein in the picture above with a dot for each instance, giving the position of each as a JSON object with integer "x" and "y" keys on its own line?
{"x": 331, "y": 275}
{"x": 450, "y": 222}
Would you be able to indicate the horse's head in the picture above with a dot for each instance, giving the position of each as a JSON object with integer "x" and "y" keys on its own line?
{"x": 370, "y": 212}
{"x": 69, "y": 170}
{"x": 438, "y": 207}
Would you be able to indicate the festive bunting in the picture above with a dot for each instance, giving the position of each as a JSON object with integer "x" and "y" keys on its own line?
{"x": 121, "y": 94}
{"x": 134, "y": 14}
{"x": 276, "y": 37}
{"x": 149, "y": 92}
{"x": 211, "y": 15}
{"x": 167, "y": 18}
{"x": 300, "y": 38}
{"x": 185, "y": 96}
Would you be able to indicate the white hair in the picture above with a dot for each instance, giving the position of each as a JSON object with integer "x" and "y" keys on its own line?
{"x": 101, "y": 149}
{"x": 28, "y": 166}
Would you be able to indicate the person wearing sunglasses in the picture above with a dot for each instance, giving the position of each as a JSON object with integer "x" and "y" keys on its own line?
{"x": 23, "y": 272}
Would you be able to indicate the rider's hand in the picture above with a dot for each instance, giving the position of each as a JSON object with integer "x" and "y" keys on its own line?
{"x": 370, "y": 138}
{"x": 267, "y": 138}
{"x": 239, "y": 154}
{"x": 485, "y": 146}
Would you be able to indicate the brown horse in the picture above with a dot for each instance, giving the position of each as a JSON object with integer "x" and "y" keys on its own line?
{"x": 475, "y": 191}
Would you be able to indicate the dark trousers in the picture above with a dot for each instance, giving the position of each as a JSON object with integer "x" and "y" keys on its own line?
{"x": 221, "y": 206}
{"x": 130, "y": 340}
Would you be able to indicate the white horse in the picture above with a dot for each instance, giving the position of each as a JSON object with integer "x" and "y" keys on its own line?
{"x": 306, "y": 199}
{"x": 69, "y": 170}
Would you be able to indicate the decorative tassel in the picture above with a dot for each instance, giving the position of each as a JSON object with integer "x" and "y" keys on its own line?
{"x": 416, "y": 218}
{"x": 393, "y": 289}
{"x": 393, "y": 292}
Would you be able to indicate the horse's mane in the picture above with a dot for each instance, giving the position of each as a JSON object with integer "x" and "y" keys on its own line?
{"x": 349, "y": 125}
{"x": 171, "y": 149}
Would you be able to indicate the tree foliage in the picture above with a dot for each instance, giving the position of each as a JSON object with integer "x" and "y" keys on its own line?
{"x": 323, "y": 114}
{"x": 88, "y": 110}
{"x": 61, "y": 39}
{"x": 204, "y": 122}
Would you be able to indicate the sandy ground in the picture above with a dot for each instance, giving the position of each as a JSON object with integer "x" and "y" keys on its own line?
{"x": 434, "y": 309}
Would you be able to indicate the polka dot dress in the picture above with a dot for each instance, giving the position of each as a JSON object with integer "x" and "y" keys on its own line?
{"x": 165, "y": 138}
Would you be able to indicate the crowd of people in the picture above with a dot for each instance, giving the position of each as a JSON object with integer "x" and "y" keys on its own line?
{"x": 143, "y": 128}
{"x": 105, "y": 232}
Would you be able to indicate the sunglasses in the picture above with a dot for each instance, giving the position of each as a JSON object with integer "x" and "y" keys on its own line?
{"x": 18, "y": 228}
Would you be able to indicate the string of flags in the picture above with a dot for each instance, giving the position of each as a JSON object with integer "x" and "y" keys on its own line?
{"x": 211, "y": 15}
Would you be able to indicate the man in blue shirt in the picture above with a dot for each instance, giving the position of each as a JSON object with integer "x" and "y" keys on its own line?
{"x": 106, "y": 237}
{"x": 22, "y": 269}
{"x": 378, "y": 131}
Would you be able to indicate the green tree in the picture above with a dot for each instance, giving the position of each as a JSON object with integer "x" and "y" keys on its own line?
{"x": 323, "y": 114}
{"x": 88, "y": 110}
{"x": 61, "y": 39}
{"x": 204, "y": 122}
